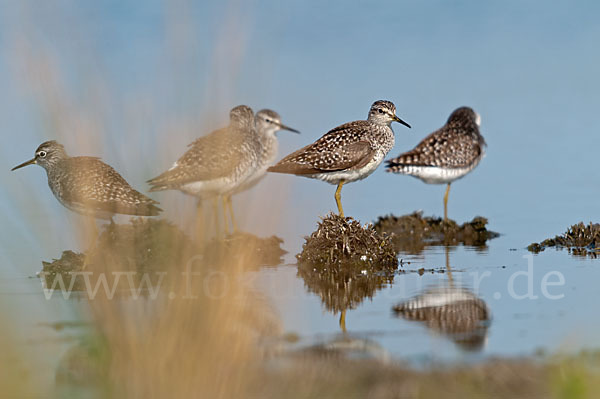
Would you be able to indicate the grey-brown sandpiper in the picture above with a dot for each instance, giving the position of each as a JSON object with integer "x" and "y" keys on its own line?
{"x": 88, "y": 186}
{"x": 267, "y": 124}
{"x": 445, "y": 155}
{"x": 225, "y": 161}
{"x": 347, "y": 153}
{"x": 214, "y": 164}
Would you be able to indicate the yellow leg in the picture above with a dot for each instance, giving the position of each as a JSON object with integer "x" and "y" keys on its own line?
{"x": 216, "y": 215}
{"x": 446, "y": 202}
{"x": 93, "y": 237}
{"x": 338, "y": 197}
{"x": 343, "y": 321}
{"x": 230, "y": 207}
{"x": 199, "y": 222}
{"x": 225, "y": 221}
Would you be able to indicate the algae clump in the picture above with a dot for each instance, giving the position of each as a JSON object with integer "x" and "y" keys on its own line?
{"x": 580, "y": 240}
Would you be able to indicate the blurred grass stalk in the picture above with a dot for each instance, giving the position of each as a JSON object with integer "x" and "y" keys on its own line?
{"x": 14, "y": 377}
{"x": 174, "y": 346}
{"x": 199, "y": 337}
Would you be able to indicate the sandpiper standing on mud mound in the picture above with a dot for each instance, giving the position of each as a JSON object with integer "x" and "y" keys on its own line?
{"x": 88, "y": 186}
{"x": 347, "y": 153}
{"x": 445, "y": 155}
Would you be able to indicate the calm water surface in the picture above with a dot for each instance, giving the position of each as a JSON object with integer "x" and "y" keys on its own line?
{"x": 521, "y": 324}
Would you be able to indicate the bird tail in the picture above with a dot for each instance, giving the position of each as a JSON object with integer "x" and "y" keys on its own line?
{"x": 160, "y": 182}
{"x": 395, "y": 165}
{"x": 150, "y": 210}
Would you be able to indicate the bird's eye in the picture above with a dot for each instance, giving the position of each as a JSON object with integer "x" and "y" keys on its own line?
{"x": 380, "y": 111}
{"x": 268, "y": 120}
{"x": 42, "y": 154}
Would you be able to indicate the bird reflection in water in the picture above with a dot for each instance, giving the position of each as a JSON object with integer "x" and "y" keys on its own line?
{"x": 343, "y": 287}
{"x": 452, "y": 311}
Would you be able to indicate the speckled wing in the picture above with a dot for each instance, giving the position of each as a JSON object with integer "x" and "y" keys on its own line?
{"x": 343, "y": 148}
{"x": 447, "y": 147}
{"x": 95, "y": 187}
{"x": 210, "y": 157}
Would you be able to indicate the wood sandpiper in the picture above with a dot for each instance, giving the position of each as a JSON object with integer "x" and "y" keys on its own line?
{"x": 445, "y": 155}
{"x": 347, "y": 153}
{"x": 267, "y": 124}
{"x": 88, "y": 186}
{"x": 225, "y": 161}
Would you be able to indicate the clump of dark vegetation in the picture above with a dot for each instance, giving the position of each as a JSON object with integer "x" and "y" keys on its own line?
{"x": 580, "y": 240}
{"x": 255, "y": 250}
{"x": 343, "y": 241}
{"x": 149, "y": 247}
{"x": 64, "y": 267}
{"x": 413, "y": 232}
{"x": 141, "y": 245}
{"x": 344, "y": 262}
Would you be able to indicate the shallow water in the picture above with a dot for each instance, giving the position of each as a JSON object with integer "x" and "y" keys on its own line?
{"x": 521, "y": 325}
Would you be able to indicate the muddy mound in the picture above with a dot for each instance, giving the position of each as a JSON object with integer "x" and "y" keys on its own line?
{"x": 412, "y": 233}
{"x": 69, "y": 263}
{"x": 343, "y": 241}
{"x": 151, "y": 247}
{"x": 256, "y": 251}
{"x": 580, "y": 240}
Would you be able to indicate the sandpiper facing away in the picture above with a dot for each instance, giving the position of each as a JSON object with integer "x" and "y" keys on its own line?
{"x": 445, "y": 155}
{"x": 347, "y": 153}
{"x": 88, "y": 186}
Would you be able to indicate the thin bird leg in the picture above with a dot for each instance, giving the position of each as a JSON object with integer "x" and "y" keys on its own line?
{"x": 216, "y": 215}
{"x": 93, "y": 235}
{"x": 343, "y": 321}
{"x": 338, "y": 197}
{"x": 199, "y": 222}
{"x": 446, "y": 202}
{"x": 225, "y": 220}
{"x": 230, "y": 206}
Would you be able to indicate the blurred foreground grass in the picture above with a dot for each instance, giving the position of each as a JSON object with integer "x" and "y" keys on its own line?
{"x": 177, "y": 356}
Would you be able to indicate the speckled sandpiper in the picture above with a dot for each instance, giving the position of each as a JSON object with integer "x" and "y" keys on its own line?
{"x": 445, "y": 155}
{"x": 88, "y": 186}
{"x": 347, "y": 153}
{"x": 267, "y": 124}
{"x": 221, "y": 163}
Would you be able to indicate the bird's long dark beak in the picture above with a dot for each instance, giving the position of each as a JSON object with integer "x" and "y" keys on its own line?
{"x": 30, "y": 162}
{"x": 284, "y": 127}
{"x": 401, "y": 121}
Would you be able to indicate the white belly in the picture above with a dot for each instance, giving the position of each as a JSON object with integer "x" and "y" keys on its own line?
{"x": 252, "y": 180}
{"x": 350, "y": 175}
{"x": 436, "y": 174}
{"x": 208, "y": 188}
